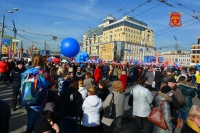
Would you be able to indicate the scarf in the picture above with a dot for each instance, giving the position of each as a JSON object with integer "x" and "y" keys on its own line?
{"x": 192, "y": 125}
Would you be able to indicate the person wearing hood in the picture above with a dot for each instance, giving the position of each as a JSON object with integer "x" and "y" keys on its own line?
{"x": 82, "y": 89}
{"x": 79, "y": 74}
{"x": 92, "y": 106}
{"x": 188, "y": 89}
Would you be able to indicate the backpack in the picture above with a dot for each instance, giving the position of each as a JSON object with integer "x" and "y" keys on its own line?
{"x": 34, "y": 88}
{"x": 110, "y": 111}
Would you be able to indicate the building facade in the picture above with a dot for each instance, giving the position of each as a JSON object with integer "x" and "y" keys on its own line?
{"x": 195, "y": 53}
{"x": 123, "y": 39}
{"x": 172, "y": 58}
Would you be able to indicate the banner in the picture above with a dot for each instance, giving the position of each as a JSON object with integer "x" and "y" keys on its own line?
{"x": 5, "y": 41}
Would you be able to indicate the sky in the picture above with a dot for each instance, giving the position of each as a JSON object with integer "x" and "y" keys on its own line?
{"x": 39, "y": 20}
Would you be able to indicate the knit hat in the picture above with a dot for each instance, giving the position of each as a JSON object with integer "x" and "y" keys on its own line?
{"x": 166, "y": 89}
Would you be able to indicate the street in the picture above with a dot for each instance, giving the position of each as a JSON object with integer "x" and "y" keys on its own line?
{"x": 18, "y": 118}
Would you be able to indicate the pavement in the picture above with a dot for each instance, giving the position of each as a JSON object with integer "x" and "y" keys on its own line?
{"x": 18, "y": 117}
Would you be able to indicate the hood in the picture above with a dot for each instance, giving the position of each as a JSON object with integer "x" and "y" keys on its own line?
{"x": 93, "y": 100}
{"x": 161, "y": 96}
{"x": 81, "y": 89}
{"x": 79, "y": 74}
{"x": 188, "y": 84}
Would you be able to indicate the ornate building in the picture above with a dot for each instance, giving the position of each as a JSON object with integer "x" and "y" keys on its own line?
{"x": 123, "y": 39}
{"x": 195, "y": 53}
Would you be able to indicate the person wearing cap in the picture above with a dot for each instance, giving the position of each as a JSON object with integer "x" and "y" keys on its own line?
{"x": 15, "y": 78}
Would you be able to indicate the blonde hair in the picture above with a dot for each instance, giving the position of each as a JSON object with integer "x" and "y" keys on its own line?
{"x": 37, "y": 60}
{"x": 60, "y": 71}
{"x": 92, "y": 90}
{"x": 194, "y": 112}
{"x": 117, "y": 86}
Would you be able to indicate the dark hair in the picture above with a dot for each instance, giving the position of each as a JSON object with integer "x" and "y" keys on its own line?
{"x": 103, "y": 83}
{"x": 189, "y": 79}
{"x": 47, "y": 114}
{"x": 141, "y": 81}
{"x": 124, "y": 124}
{"x": 88, "y": 74}
{"x": 181, "y": 78}
{"x": 74, "y": 84}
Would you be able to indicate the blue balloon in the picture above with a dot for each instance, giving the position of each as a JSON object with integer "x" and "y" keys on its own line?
{"x": 69, "y": 47}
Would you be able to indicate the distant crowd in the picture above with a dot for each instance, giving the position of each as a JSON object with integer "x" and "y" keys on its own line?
{"x": 77, "y": 98}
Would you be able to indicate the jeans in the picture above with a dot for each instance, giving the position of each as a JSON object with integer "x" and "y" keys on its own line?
{"x": 69, "y": 125}
{"x": 32, "y": 116}
{"x": 183, "y": 116}
{"x": 157, "y": 87}
{"x": 146, "y": 124}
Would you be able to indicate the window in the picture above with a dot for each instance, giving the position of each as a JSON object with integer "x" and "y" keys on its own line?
{"x": 110, "y": 38}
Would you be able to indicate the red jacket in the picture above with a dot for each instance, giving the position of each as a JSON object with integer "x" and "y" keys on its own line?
{"x": 123, "y": 79}
{"x": 3, "y": 67}
{"x": 97, "y": 75}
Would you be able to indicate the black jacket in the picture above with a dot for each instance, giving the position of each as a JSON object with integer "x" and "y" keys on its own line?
{"x": 187, "y": 129}
{"x": 16, "y": 77}
{"x": 70, "y": 103}
{"x": 103, "y": 93}
{"x": 158, "y": 77}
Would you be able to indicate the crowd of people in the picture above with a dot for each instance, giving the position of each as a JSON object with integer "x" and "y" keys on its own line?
{"x": 77, "y": 95}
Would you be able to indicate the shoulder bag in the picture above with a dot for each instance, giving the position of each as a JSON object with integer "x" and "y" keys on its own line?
{"x": 157, "y": 118}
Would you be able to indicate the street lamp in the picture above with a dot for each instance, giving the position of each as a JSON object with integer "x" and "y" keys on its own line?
{"x": 2, "y": 27}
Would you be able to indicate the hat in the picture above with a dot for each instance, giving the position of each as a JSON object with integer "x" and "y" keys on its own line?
{"x": 172, "y": 80}
{"x": 19, "y": 62}
{"x": 166, "y": 89}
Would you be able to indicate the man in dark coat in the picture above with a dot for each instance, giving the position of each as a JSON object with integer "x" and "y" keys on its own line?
{"x": 158, "y": 79}
{"x": 15, "y": 78}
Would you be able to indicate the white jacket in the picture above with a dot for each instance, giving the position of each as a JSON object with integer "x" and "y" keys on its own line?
{"x": 142, "y": 98}
{"x": 92, "y": 106}
{"x": 83, "y": 92}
